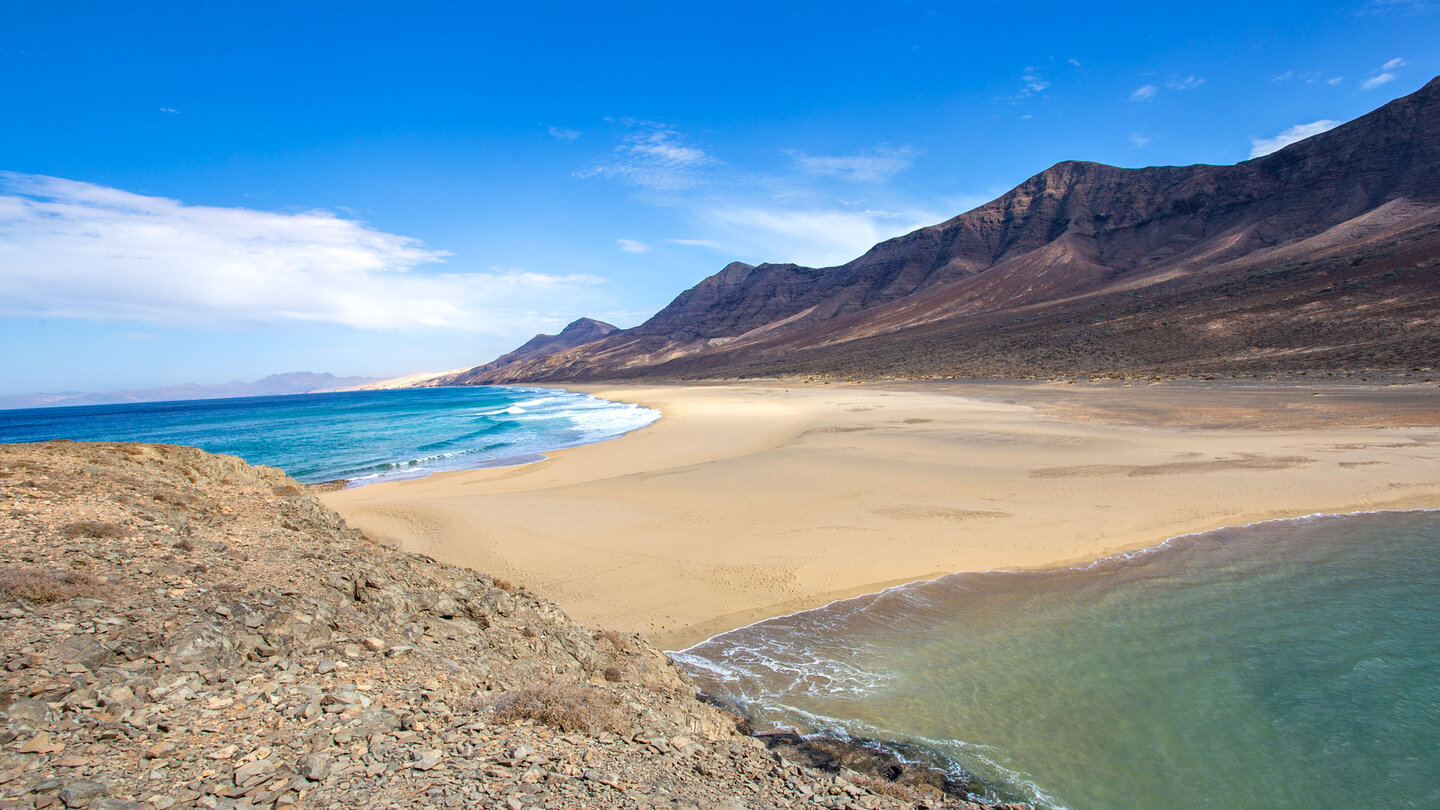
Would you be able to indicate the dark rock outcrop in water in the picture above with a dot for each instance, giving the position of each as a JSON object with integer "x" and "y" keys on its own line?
{"x": 1324, "y": 256}
{"x": 180, "y": 629}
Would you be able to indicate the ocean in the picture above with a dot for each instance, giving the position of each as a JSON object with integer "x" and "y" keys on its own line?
{"x": 1288, "y": 664}
{"x": 356, "y": 436}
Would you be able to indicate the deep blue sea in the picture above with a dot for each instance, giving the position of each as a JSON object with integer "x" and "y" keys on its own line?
{"x": 359, "y": 436}
{"x": 1293, "y": 664}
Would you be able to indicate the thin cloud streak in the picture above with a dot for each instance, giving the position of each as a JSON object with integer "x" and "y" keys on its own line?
{"x": 1144, "y": 92}
{"x": 812, "y": 237}
{"x": 1259, "y": 147}
{"x": 874, "y": 165}
{"x": 70, "y": 249}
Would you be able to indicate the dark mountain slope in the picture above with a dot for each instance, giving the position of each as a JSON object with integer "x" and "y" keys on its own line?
{"x": 1323, "y": 253}
{"x": 577, "y": 333}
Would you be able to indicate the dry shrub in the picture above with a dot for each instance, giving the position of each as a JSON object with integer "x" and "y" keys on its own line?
{"x": 505, "y": 585}
{"x": 614, "y": 675}
{"x": 41, "y": 585}
{"x": 172, "y": 497}
{"x": 618, "y": 640}
{"x": 185, "y": 544}
{"x": 567, "y": 707}
{"x": 92, "y": 528}
{"x": 286, "y": 490}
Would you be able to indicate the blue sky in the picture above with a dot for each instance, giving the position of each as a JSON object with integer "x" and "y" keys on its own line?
{"x": 200, "y": 192}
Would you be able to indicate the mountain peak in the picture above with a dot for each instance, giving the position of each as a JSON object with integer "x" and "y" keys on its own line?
{"x": 1320, "y": 256}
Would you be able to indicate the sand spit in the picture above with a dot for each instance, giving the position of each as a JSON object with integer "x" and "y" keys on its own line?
{"x": 751, "y": 500}
{"x": 180, "y": 629}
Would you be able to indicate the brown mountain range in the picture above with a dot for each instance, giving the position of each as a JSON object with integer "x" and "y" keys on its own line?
{"x": 1321, "y": 257}
{"x": 578, "y": 333}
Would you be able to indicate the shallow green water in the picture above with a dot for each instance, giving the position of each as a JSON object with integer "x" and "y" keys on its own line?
{"x": 1285, "y": 665}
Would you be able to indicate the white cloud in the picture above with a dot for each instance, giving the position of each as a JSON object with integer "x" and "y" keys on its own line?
{"x": 1075, "y": 62}
{"x": 1385, "y": 75}
{"x": 1308, "y": 77}
{"x": 655, "y": 156}
{"x": 170, "y": 110}
{"x": 1187, "y": 83}
{"x": 70, "y": 249}
{"x": 1137, "y": 140}
{"x": 705, "y": 243}
{"x": 870, "y": 166}
{"x": 815, "y": 237}
{"x": 1264, "y": 146}
{"x": 1335, "y": 81}
{"x": 1034, "y": 82}
{"x": 1375, "y": 81}
{"x": 564, "y": 134}
{"x": 663, "y": 144}
{"x": 632, "y": 246}
{"x": 1383, "y": 7}
{"x": 1144, "y": 92}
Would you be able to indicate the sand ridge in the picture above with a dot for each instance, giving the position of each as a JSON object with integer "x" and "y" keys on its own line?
{"x": 749, "y": 500}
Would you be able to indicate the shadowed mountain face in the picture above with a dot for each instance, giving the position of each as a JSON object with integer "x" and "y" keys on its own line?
{"x": 1324, "y": 256}
{"x": 578, "y": 333}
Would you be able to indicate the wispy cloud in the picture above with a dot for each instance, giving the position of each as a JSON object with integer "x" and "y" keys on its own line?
{"x": 1137, "y": 140}
{"x": 564, "y": 134}
{"x": 632, "y": 246}
{"x": 1306, "y": 77}
{"x": 170, "y": 110}
{"x": 1385, "y": 75}
{"x": 1375, "y": 8}
{"x": 1377, "y": 80}
{"x": 874, "y": 165}
{"x": 821, "y": 210}
{"x": 70, "y": 249}
{"x": 1145, "y": 92}
{"x": 1260, "y": 147}
{"x": 655, "y": 156}
{"x": 1187, "y": 83}
{"x": 811, "y": 236}
{"x": 1033, "y": 82}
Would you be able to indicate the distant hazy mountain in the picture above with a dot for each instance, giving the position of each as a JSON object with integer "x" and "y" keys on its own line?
{"x": 295, "y": 382}
{"x": 1324, "y": 256}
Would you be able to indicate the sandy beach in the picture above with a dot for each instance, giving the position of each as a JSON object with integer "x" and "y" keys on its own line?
{"x": 753, "y": 500}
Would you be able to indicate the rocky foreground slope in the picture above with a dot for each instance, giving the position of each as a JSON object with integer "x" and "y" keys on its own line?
{"x": 180, "y": 629}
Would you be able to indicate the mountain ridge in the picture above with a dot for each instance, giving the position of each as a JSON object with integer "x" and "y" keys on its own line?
{"x": 1319, "y": 256}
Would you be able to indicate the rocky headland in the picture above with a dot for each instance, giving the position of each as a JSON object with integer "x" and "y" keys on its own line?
{"x": 180, "y": 629}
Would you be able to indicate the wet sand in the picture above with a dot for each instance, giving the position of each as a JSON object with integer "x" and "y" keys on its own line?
{"x": 753, "y": 500}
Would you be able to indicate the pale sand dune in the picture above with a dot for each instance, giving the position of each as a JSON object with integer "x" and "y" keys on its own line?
{"x": 747, "y": 501}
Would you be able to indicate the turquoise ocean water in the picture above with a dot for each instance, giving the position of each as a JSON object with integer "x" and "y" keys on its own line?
{"x": 360, "y": 436}
{"x": 1289, "y": 664}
